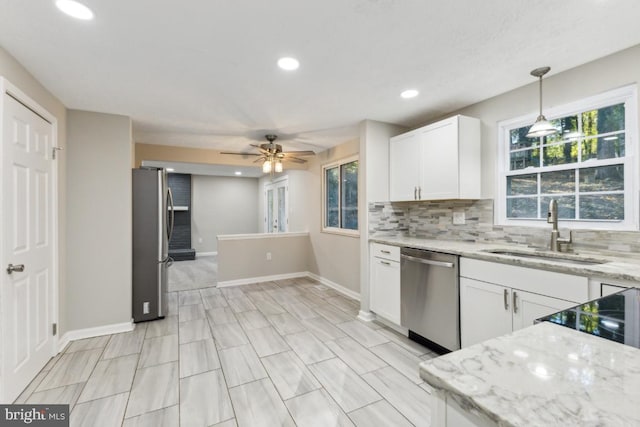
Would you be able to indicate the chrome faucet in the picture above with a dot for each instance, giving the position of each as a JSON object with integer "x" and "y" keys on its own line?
{"x": 552, "y": 218}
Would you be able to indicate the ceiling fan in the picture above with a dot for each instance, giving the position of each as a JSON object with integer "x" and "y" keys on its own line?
{"x": 272, "y": 156}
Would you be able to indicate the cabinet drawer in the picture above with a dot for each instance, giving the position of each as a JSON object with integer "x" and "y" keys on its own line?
{"x": 389, "y": 252}
{"x": 557, "y": 285}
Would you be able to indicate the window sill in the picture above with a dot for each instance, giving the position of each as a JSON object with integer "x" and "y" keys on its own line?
{"x": 571, "y": 225}
{"x": 341, "y": 232}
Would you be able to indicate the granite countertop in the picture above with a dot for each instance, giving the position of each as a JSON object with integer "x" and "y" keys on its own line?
{"x": 543, "y": 375}
{"x": 612, "y": 268}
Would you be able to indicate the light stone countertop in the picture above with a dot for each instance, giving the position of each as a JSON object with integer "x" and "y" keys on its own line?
{"x": 543, "y": 375}
{"x": 612, "y": 268}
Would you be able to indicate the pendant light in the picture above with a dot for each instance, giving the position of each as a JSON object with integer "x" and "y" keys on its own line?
{"x": 542, "y": 127}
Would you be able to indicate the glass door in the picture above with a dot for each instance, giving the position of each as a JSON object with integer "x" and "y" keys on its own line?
{"x": 276, "y": 206}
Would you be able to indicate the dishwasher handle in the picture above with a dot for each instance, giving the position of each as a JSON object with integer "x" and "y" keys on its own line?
{"x": 428, "y": 261}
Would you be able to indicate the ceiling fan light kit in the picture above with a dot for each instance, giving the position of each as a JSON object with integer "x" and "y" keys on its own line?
{"x": 272, "y": 155}
{"x": 542, "y": 127}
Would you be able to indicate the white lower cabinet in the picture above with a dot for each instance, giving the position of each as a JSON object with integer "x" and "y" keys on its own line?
{"x": 482, "y": 311}
{"x": 528, "y": 307}
{"x": 489, "y": 310}
{"x": 384, "y": 285}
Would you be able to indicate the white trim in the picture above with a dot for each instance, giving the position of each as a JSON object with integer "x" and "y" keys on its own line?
{"x": 341, "y": 232}
{"x": 97, "y": 331}
{"x": 206, "y": 254}
{"x": 260, "y": 279}
{"x": 261, "y": 236}
{"x": 366, "y": 316}
{"x": 335, "y": 286}
{"x": 627, "y": 94}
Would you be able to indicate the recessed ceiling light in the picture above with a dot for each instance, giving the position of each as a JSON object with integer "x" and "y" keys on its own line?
{"x": 170, "y": 169}
{"x": 238, "y": 173}
{"x": 409, "y": 93}
{"x": 75, "y": 9}
{"x": 288, "y": 63}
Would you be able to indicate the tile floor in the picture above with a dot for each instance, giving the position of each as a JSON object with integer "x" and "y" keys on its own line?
{"x": 202, "y": 272}
{"x": 281, "y": 353}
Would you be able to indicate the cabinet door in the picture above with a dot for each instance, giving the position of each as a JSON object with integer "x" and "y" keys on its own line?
{"x": 385, "y": 289}
{"x": 439, "y": 172}
{"x": 404, "y": 166}
{"x": 606, "y": 289}
{"x": 528, "y": 307}
{"x": 485, "y": 311}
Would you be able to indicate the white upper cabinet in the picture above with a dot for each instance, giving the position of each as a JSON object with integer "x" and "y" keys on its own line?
{"x": 405, "y": 166}
{"x": 436, "y": 162}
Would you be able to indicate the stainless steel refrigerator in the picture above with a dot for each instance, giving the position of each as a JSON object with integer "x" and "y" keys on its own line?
{"x": 152, "y": 227}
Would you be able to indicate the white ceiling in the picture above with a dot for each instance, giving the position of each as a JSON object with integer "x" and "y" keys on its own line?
{"x": 203, "y": 73}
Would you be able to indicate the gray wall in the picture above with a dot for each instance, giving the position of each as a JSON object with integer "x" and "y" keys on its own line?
{"x": 15, "y": 73}
{"x": 334, "y": 257}
{"x": 99, "y": 217}
{"x": 246, "y": 257}
{"x": 222, "y": 205}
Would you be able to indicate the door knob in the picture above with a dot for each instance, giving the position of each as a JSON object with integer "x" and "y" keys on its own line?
{"x": 19, "y": 268}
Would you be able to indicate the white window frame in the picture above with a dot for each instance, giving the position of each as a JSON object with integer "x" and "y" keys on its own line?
{"x": 337, "y": 230}
{"x": 627, "y": 95}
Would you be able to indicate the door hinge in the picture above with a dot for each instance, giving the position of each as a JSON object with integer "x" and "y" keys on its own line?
{"x": 54, "y": 329}
{"x": 54, "y": 150}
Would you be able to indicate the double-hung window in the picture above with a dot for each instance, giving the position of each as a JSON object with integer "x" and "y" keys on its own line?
{"x": 340, "y": 197}
{"x": 589, "y": 167}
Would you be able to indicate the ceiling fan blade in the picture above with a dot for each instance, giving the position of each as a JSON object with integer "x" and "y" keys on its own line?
{"x": 240, "y": 154}
{"x": 295, "y": 160}
{"x": 300, "y": 153}
{"x": 259, "y": 159}
{"x": 261, "y": 148}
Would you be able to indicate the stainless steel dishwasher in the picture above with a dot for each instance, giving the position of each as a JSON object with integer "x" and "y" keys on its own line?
{"x": 429, "y": 298}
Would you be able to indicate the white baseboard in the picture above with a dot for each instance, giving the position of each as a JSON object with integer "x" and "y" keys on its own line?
{"x": 391, "y": 325}
{"x": 366, "y": 316}
{"x": 260, "y": 279}
{"x": 335, "y": 286}
{"x": 97, "y": 331}
{"x": 205, "y": 254}
{"x": 324, "y": 281}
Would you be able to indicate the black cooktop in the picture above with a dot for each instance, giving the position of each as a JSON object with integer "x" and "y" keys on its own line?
{"x": 615, "y": 317}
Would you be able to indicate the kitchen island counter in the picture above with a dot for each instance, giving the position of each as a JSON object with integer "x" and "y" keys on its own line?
{"x": 543, "y": 375}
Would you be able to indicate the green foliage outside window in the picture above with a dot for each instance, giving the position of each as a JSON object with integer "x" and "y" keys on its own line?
{"x": 584, "y": 189}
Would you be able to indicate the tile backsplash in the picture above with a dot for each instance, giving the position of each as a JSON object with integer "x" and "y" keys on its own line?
{"x": 434, "y": 220}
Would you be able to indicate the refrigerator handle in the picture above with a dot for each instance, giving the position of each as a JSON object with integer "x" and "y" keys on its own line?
{"x": 172, "y": 214}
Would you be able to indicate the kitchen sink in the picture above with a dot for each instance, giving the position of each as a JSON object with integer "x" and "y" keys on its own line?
{"x": 547, "y": 256}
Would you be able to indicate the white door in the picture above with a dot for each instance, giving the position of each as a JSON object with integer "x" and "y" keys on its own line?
{"x": 27, "y": 240}
{"x": 276, "y": 218}
{"x": 485, "y": 311}
{"x": 528, "y": 307}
